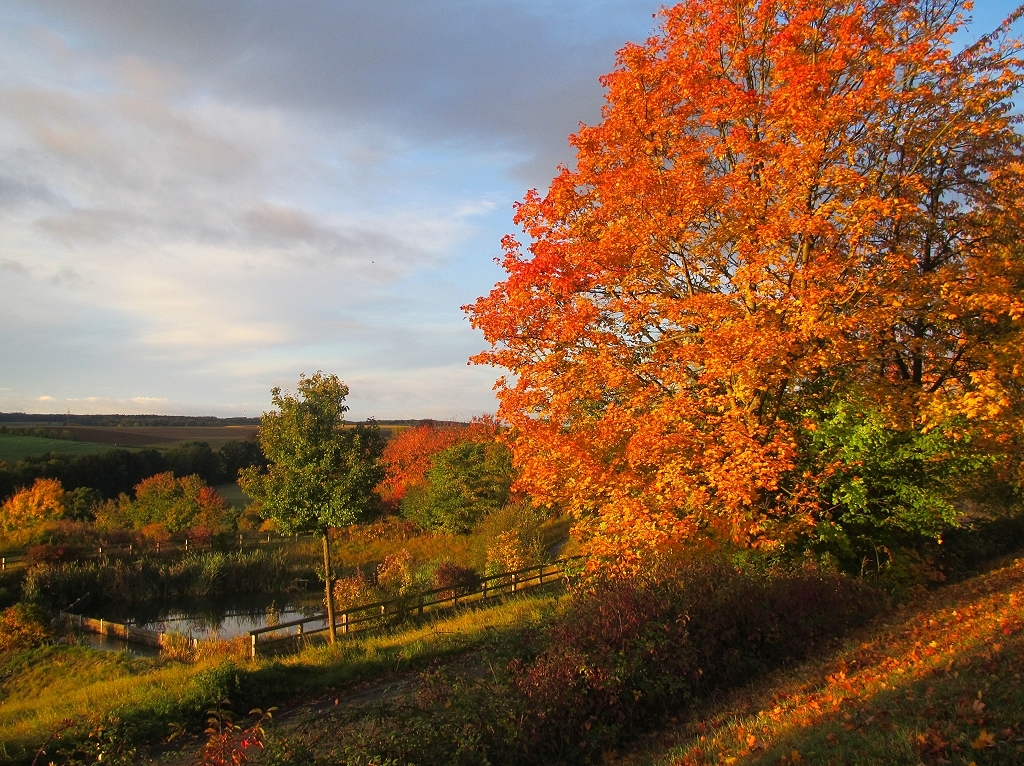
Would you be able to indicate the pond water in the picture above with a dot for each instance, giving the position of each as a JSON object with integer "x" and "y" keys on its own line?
{"x": 225, "y": 617}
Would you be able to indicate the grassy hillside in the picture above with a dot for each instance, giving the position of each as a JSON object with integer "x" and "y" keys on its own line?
{"x": 42, "y": 688}
{"x": 936, "y": 682}
{"x": 14, "y": 448}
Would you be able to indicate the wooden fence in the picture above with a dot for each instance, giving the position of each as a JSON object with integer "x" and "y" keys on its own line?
{"x": 372, "y": 615}
{"x": 8, "y": 561}
{"x": 125, "y": 632}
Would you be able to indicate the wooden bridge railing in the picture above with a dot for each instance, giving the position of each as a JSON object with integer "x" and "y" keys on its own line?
{"x": 368, "y": 615}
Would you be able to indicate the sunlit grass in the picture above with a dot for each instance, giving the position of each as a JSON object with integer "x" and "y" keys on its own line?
{"x": 936, "y": 683}
{"x": 41, "y": 688}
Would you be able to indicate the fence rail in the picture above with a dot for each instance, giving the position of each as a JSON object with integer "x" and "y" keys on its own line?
{"x": 367, "y": 615}
{"x": 125, "y": 632}
{"x": 8, "y": 561}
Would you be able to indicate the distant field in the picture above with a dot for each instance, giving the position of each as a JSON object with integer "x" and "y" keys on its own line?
{"x": 162, "y": 436}
{"x": 13, "y": 448}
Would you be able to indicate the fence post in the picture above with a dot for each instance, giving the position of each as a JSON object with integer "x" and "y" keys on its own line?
{"x": 186, "y": 545}
{"x": 3, "y": 563}
{"x": 344, "y": 622}
{"x": 513, "y": 582}
{"x": 252, "y": 650}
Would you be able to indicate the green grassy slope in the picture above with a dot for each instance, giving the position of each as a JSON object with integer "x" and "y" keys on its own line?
{"x": 14, "y": 448}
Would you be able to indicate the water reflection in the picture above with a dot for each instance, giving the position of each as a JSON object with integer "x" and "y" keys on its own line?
{"x": 225, "y": 617}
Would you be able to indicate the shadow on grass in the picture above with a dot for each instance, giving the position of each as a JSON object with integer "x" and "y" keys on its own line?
{"x": 940, "y": 684}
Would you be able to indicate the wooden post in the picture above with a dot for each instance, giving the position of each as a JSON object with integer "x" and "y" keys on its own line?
{"x": 332, "y": 634}
{"x": 344, "y": 622}
{"x": 252, "y": 651}
{"x": 513, "y": 582}
{"x": 186, "y": 545}
{"x": 3, "y": 563}
{"x": 483, "y": 591}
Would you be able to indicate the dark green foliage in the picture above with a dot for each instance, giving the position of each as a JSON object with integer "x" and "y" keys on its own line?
{"x": 110, "y": 473}
{"x": 238, "y": 455}
{"x": 117, "y": 471}
{"x": 80, "y": 504}
{"x": 195, "y": 459}
{"x": 888, "y": 486}
{"x": 319, "y": 475}
{"x": 463, "y": 484}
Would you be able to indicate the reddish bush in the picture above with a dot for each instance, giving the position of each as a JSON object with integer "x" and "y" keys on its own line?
{"x": 458, "y": 579}
{"x": 626, "y": 651}
{"x": 58, "y": 553}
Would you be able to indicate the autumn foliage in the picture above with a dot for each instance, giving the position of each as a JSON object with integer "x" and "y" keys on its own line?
{"x": 164, "y": 504}
{"x": 791, "y": 211}
{"x": 43, "y": 501}
{"x": 409, "y": 455}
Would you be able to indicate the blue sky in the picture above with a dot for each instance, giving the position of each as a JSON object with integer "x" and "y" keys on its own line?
{"x": 199, "y": 201}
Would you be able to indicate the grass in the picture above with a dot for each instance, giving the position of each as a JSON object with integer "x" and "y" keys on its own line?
{"x": 939, "y": 682}
{"x": 14, "y": 448}
{"x": 233, "y": 494}
{"x": 41, "y": 688}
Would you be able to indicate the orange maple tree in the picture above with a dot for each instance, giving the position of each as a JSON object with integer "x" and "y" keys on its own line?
{"x": 785, "y": 203}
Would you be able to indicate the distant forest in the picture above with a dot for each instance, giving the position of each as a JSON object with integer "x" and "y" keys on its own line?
{"x": 181, "y": 421}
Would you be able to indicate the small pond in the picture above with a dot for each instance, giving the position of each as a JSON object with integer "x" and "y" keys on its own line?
{"x": 225, "y": 617}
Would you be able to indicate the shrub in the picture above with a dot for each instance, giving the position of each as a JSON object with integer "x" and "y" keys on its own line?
{"x": 627, "y": 650}
{"x": 23, "y": 626}
{"x": 512, "y": 538}
{"x": 396, "y": 573}
{"x": 353, "y": 590}
{"x": 458, "y": 579}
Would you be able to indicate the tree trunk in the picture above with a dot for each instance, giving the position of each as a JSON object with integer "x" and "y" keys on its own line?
{"x": 329, "y": 585}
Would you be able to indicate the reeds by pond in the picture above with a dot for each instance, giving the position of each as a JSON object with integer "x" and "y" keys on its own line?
{"x": 122, "y": 580}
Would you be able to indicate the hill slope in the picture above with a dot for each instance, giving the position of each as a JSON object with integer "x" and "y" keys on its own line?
{"x": 938, "y": 682}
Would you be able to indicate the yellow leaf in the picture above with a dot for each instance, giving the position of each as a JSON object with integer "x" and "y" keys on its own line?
{"x": 983, "y": 741}
{"x": 795, "y": 756}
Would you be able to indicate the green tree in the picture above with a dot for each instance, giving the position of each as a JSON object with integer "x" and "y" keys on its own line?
{"x": 320, "y": 475}
{"x": 463, "y": 484}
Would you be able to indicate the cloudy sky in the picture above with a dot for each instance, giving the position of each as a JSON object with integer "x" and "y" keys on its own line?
{"x": 199, "y": 201}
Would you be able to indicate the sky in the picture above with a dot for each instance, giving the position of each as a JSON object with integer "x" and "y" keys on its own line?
{"x": 200, "y": 201}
